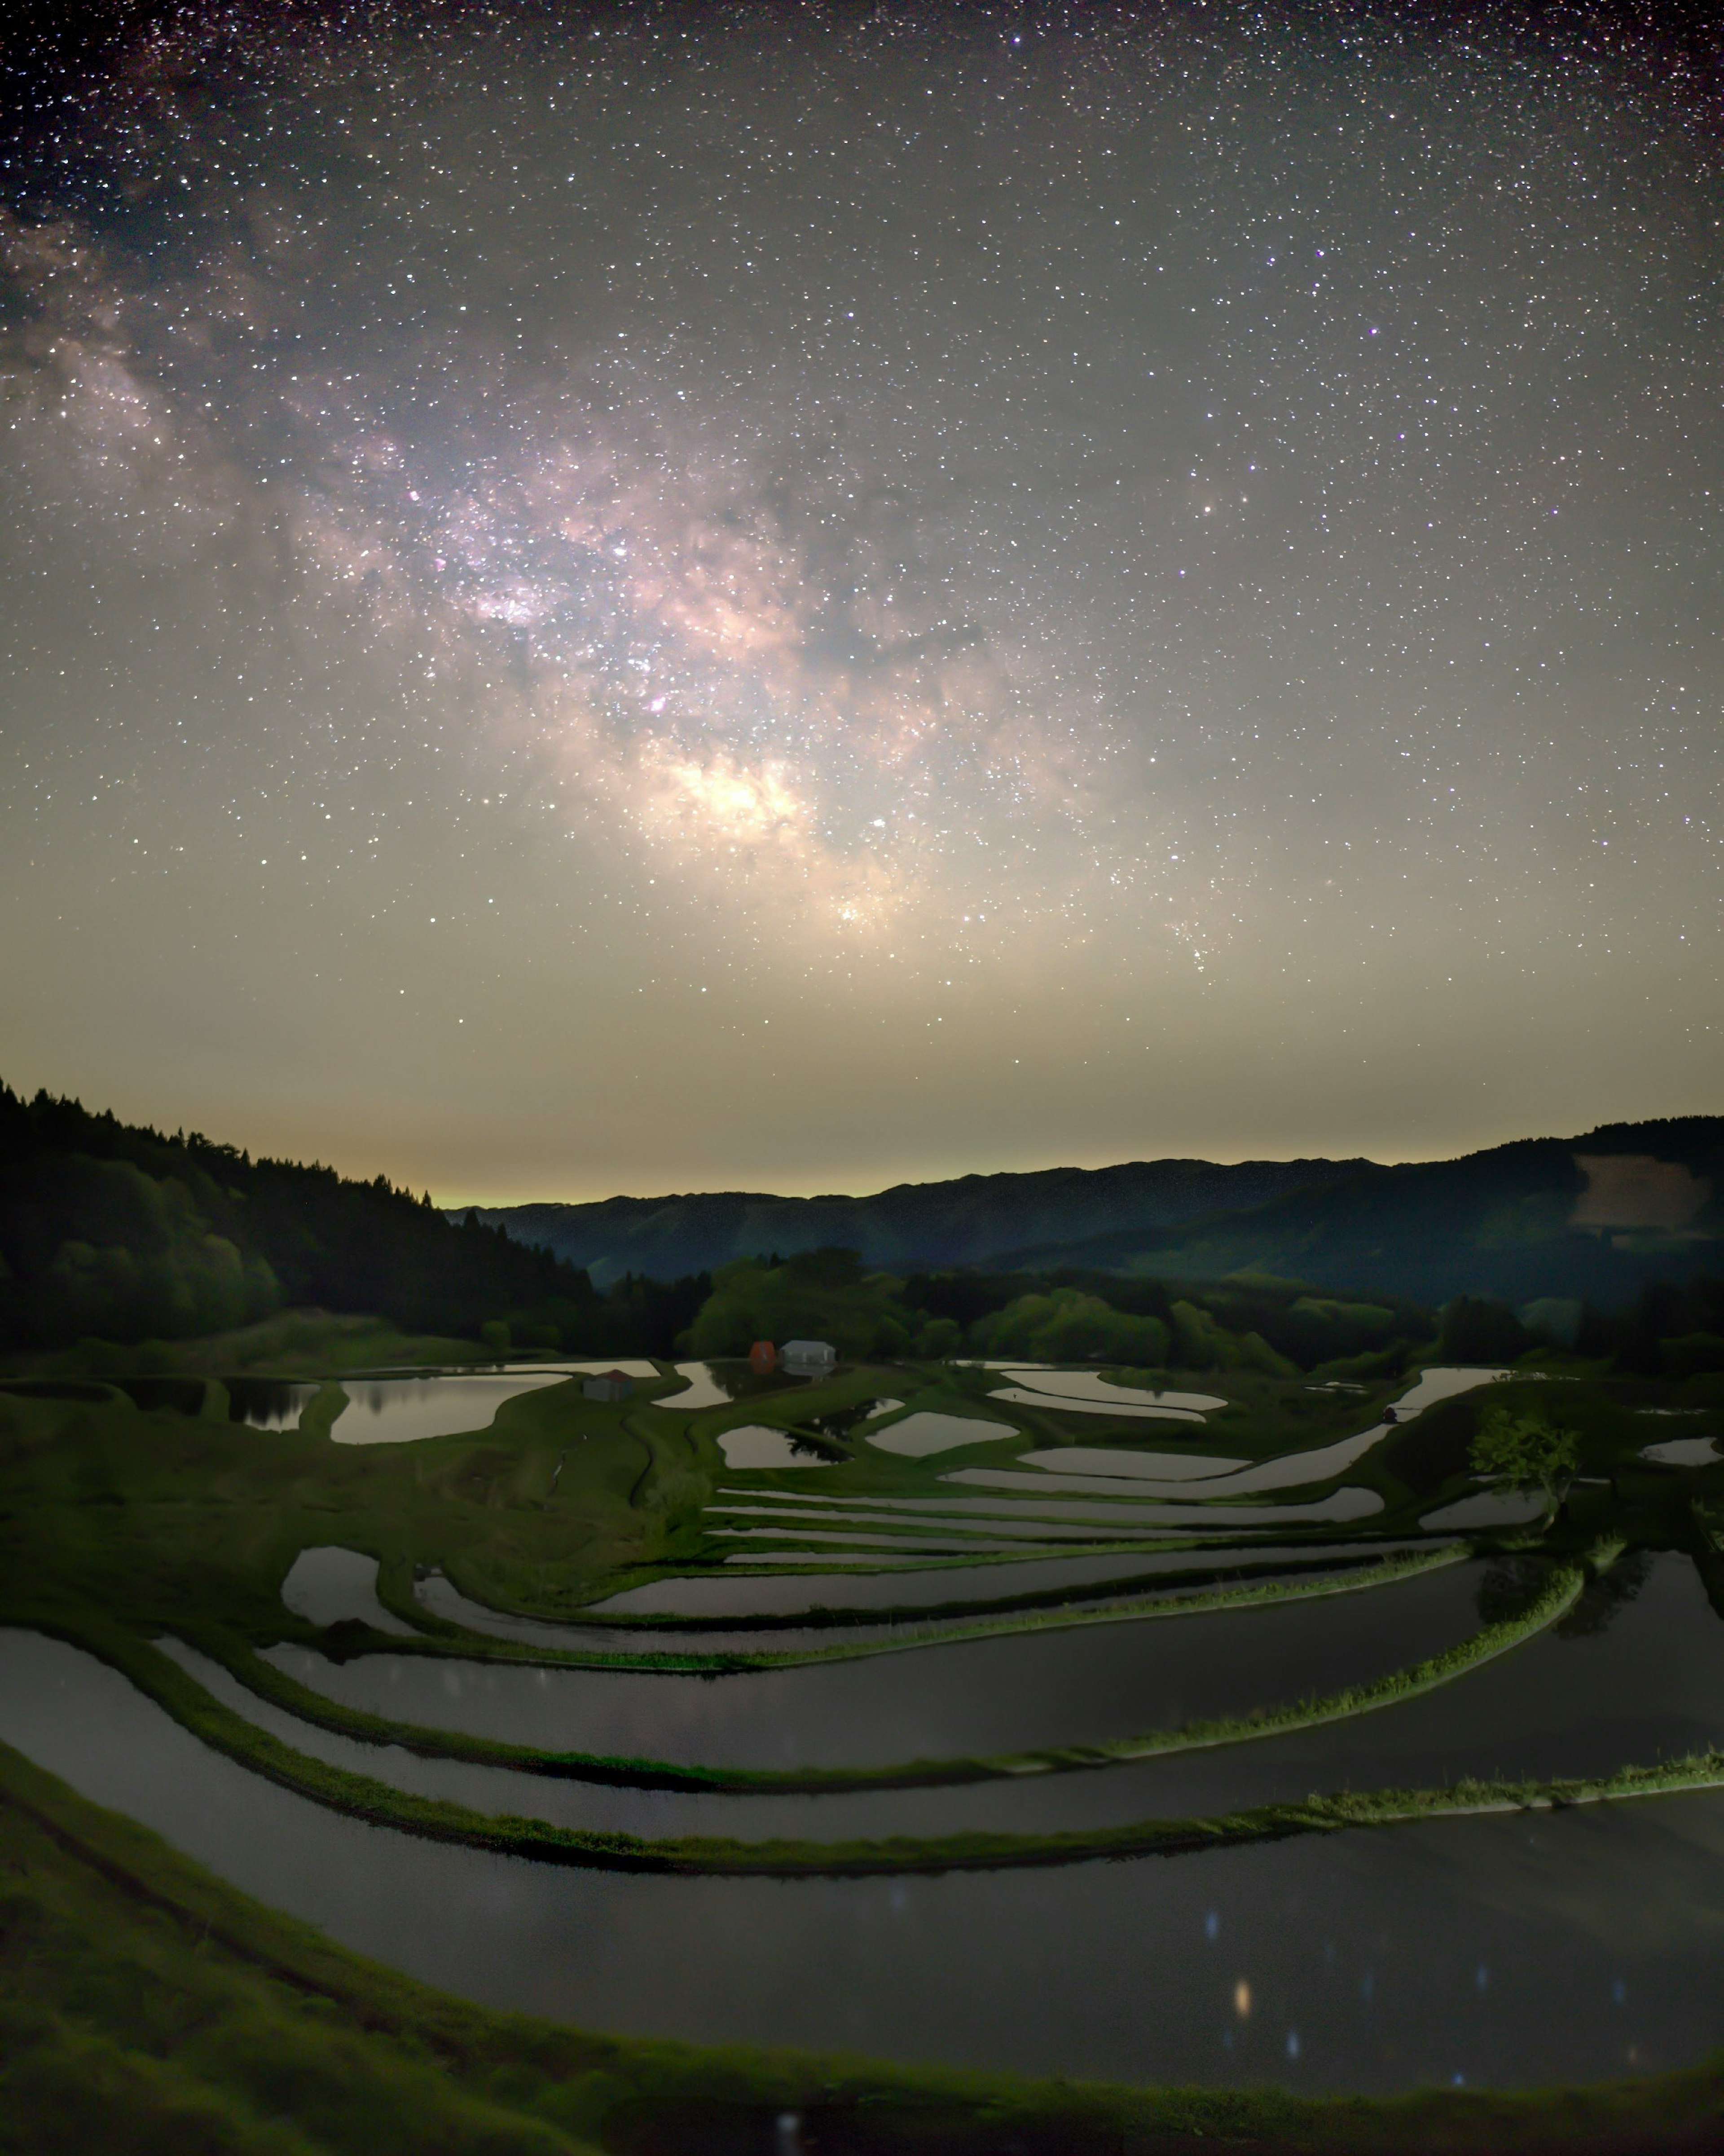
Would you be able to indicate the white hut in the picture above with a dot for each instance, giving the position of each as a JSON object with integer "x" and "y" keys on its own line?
{"x": 809, "y": 1358}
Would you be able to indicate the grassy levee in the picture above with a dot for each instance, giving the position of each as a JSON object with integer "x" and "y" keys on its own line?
{"x": 1171, "y": 1600}
{"x": 148, "y": 2009}
{"x": 1051, "y": 1605}
{"x": 313, "y": 1706}
{"x": 437, "y": 1819}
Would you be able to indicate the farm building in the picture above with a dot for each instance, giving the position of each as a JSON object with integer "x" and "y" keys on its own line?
{"x": 607, "y": 1385}
{"x": 809, "y": 1358}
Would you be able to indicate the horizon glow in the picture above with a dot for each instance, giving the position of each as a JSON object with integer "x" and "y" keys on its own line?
{"x": 752, "y": 600}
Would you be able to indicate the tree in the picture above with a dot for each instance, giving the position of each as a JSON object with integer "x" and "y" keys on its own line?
{"x": 1526, "y": 1451}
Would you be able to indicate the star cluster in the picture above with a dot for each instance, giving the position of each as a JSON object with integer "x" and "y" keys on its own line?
{"x": 599, "y": 600}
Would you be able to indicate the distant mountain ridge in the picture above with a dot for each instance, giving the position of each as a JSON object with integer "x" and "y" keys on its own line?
{"x": 1589, "y": 1218}
{"x": 968, "y": 1221}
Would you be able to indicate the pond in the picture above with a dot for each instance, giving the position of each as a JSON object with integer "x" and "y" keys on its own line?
{"x": 402, "y": 1410}
{"x": 1507, "y": 1950}
{"x": 1010, "y": 1693}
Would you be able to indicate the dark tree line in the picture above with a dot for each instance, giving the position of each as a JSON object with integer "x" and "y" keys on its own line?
{"x": 125, "y": 1233}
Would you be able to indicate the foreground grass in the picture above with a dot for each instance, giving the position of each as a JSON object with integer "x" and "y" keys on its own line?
{"x": 147, "y": 2009}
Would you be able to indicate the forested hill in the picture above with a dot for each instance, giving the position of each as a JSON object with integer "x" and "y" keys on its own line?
{"x": 1593, "y": 1218}
{"x": 124, "y": 1233}
{"x": 972, "y": 1220}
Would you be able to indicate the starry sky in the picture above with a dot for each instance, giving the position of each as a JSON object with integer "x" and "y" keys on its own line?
{"x": 793, "y": 598}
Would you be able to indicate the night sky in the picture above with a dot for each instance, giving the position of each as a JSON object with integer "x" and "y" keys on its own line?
{"x": 660, "y": 600}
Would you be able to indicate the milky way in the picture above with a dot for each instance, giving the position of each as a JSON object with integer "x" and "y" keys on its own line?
{"x": 606, "y": 603}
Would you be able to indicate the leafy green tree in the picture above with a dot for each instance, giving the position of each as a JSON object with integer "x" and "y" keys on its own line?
{"x": 1526, "y": 1451}
{"x": 817, "y": 1295}
{"x": 939, "y": 1338}
{"x": 1068, "y": 1325}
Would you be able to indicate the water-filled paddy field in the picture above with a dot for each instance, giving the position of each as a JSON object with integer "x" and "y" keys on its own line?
{"x": 1005, "y": 1694}
{"x": 1528, "y": 1948}
{"x": 1028, "y": 1641}
{"x": 1648, "y": 1687}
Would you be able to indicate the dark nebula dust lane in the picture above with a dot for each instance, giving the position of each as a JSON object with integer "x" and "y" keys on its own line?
{"x": 777, "y": 597}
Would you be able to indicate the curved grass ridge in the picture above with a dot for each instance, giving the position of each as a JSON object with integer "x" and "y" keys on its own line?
{"x": 824, "y": 1616}
{"x": 306, "y": 1705}
{"x": 450, "y": 1639}
{"x": 437, "y": 1819}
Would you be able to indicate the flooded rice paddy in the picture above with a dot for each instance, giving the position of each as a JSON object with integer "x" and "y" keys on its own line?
{"x": 918, "y": 1436}
{"x": 1014, "y": 1692}
{"x": 696, "y": 1595}
{"x": 331, "y": 1586}
{"x": 705, "y": 1388}
{"x": 1504, "y": 1950}
{"x": 269, "y": 1402}
{"x": 1515, "y": 1949}
{"x": 1489, "y": 1508}
{"x": 1637, "y": 1677}
{"x": 1649, "y": 1687}
{"x": 754, "y": 1445}
{"x": 1684, "y": 1452}
{"x": 1347, "y": 1503}
{"x": 1029, "y": 1397}
{"x": 1089, "y": 1385}
{"x": 442, "y": 1599}
{"x": 401, "y": 1410}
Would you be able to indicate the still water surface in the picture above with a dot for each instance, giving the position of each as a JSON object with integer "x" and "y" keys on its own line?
{"x": 437, "y": 1595}
{"x": 706, "y": 1595}
{"x": 1502, "y": 1950}
{"x": 1650, "y": 1686}
{"x": 401, "y": 1410}
{"x": 1014, "y": 1693}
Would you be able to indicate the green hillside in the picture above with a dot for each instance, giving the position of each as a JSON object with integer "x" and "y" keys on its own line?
{"x": 123, "y": 1234}
{"x": 1517, "y": 1222}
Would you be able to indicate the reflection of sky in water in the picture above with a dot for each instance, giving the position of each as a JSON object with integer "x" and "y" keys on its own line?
{"x": 268, "y": 1403}
{"x": 754, "y": 1445}
{"x": 919, "y": 1435}
{"x": 400, "y": 1410}
{"x": 1596, "y": 1930}
{"x": 1013, "y": 1693}
{"x": 698, "y": 1597}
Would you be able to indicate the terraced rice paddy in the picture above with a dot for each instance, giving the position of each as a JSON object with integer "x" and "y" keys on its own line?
{"x": 1014, "y": 1693}
{"x": 1316, "y": 1696}
{"x": 707, "y": 1596}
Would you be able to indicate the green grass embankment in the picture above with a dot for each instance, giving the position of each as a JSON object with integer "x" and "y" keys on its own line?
{"x": 316, "y": 1708}
{"x": 450, "y": 1639}
{"x": 1053, "y": 1605}
{"x": 148, "y": 2009}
